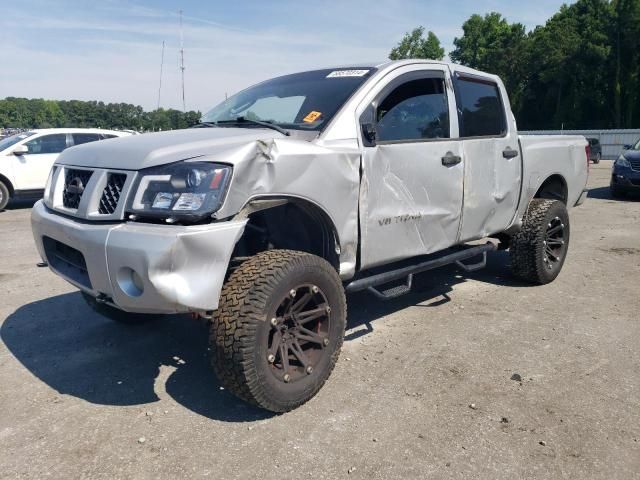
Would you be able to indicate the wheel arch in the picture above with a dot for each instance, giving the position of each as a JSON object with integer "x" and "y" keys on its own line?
{"x": 8, "y": 183}
{"x": 554, "y": 187}
{"x": 277, "y": 220}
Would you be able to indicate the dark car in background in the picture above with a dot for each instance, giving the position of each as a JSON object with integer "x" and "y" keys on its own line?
{"x": 596, "y": 150}
{"x": 625, "y": 176}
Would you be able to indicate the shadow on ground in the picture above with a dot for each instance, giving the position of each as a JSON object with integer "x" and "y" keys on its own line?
{"x": 79, "y": 353}
{"x": 604, "y": 193}
{"x": 21, "y": 204}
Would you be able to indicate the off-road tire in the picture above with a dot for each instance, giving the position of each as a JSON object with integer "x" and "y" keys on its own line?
{"x": 241, "y": 327}
{"x": 5, "y": 196}
{"x": 115, "y": 314}
{"x": 527, "y": 247}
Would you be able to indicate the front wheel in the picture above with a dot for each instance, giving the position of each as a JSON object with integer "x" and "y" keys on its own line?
{"x": 278, "y": 331}
{"x": 539, "y": 249}
{"x": 4, "y": 196}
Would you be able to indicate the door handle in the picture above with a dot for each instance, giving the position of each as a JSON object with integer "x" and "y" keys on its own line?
{"x": 450, "y": 159}
{"x": 510, "y": 153}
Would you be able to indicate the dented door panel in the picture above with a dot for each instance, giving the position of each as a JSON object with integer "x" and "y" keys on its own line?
{"x": 410, "y": 203}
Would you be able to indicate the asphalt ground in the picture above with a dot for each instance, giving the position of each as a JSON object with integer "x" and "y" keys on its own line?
{"x": 471, "y": 376}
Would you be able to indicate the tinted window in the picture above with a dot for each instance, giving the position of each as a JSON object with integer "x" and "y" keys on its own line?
{"x": 48, "y": 144}
{"x": 80, "y": 138}
{"x": 108, "y": 135}
{"x": 480, "y": 108}
{"x": 416, "y": 110}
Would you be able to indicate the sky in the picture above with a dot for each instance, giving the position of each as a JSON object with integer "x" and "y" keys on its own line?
{"x": 111, "y": 50}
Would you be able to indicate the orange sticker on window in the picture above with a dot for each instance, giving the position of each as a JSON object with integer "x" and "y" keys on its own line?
{"x": 312, "y": 117}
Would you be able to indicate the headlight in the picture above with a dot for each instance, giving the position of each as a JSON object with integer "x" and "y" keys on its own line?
{"x": 188, "y": 191}
{"x": 622, "y": 162}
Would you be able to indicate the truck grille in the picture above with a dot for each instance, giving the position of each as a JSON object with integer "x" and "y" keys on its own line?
{"x": 635, "y": 163}
{"x": 89, "y": 193}
{"x": 111, "y": 193}
{"x": 75, "y": 182}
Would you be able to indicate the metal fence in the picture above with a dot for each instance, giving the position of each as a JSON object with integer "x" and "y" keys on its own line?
{"x": 612, "y": 141}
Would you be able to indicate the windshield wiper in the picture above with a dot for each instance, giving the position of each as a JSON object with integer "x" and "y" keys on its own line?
{"x": 204, "y": 125}
{"x": 241, "y": 120}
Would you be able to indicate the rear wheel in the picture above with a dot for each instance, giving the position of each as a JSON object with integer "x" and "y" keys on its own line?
{"x": 539, "y": 249}
{"x": 278, "y": 331}
{"x": 116, "y": 314}
{"x": 4, "y": 196}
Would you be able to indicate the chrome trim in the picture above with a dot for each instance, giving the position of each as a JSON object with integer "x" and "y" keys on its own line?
{"x": 89, "y": 207}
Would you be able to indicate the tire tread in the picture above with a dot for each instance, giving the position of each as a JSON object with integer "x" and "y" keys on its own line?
{"x": 526, "y": 246}
{"x": 233, "y": 329}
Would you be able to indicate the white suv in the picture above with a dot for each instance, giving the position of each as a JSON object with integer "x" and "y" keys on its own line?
{"x": 26, "y": 158}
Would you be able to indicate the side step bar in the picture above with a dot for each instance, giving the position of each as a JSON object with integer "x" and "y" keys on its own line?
{"x": 369, "y": 283}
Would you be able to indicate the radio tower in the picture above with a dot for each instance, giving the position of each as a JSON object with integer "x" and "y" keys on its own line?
{"x": 184, "y": 107}
{"x": 160, "y": 83}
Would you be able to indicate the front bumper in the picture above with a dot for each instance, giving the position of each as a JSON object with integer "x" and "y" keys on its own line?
{"x": 625, "y": 179}
{"x": 138, "y": 267}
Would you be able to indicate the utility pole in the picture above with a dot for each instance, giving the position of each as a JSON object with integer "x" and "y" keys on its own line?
{"x": 184, "y": 107}
{"x": 161, "y": 64}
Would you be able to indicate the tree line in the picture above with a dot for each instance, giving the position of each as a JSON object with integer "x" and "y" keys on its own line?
{"x": 579, "y": 70}
{"x": 39, "y": 113}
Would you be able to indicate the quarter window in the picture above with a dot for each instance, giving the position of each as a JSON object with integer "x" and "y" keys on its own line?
{"x": 416, "y": 110}
{"x": 480, "y": 109}
{"x": 55, "y": 143}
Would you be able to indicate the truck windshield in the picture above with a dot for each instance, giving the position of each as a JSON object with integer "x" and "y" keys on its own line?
{"x": 13, "y": 139}
{"x": 302, "y": 101}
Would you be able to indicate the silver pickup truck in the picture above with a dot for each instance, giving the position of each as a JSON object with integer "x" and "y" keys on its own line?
{"x": 297, "y": 190}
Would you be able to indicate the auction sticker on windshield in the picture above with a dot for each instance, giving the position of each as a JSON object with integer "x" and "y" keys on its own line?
{"x": 347, "y": 73}
{"x": 312, "y": 117}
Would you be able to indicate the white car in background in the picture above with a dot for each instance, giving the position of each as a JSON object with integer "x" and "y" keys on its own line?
{"x": 26, "y": 158}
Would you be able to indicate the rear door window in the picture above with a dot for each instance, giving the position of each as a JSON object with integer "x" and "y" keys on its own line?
{"x": 480, "y": 108}
{"x": 80, "y": 138}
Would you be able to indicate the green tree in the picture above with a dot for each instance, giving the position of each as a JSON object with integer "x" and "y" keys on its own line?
{"x": 626, "y": 61}
{"x": 415, "y": 45}
{"x": 568, "y": 69}
{"x": 493, "y": 45}
{"x": 38, "y": 113}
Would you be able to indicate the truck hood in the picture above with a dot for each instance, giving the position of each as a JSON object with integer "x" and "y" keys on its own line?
{"x": 151, "y": 149}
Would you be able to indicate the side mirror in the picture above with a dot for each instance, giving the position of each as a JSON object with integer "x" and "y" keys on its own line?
{"x": 21, "y": 150}
{"x": 369, "y": 134}
{"x": 627, "y": 147}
